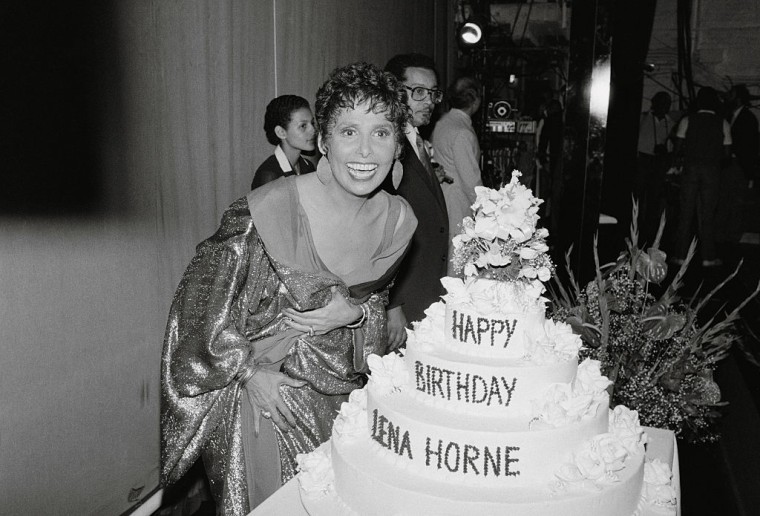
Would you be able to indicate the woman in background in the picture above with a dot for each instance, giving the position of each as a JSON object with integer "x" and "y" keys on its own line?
{"x": 289, "y": 126}
{"x": 276, "y": 314}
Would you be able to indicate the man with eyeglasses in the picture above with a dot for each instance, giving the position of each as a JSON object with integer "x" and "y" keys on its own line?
{"x": 418, "y": 282}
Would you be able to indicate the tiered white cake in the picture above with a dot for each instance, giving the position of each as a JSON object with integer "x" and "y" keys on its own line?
{"x": 489, "y": 411}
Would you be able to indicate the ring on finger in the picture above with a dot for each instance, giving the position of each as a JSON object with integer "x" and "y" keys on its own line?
{"x": 311, "y": 331}
{"x": 266, "y": 414}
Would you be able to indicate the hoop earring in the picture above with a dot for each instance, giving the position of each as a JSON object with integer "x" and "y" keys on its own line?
{"x": 397, "y": 173}
{"x": 324, "y": 172}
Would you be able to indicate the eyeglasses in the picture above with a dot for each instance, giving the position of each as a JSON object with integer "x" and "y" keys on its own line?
{"x": 419, "y": 93}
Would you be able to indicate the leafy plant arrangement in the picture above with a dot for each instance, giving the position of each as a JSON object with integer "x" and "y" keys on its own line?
{"x": 650, "y": 342}
{"x": 501, "y": 240}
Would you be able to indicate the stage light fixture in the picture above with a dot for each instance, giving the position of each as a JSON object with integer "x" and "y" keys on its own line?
{"x": 470, "y": 34}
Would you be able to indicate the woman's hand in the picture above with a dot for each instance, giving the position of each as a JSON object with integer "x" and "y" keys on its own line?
{"x": 335, "y": 314}
{"x": 263, "y": 390}
{"x": 396, "y": 328}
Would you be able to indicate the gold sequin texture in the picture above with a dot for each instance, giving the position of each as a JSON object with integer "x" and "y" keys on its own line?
{"x": 226, "y": 314}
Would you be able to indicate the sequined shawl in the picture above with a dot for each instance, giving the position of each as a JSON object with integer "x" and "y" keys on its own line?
{"x": 226, "y": 314}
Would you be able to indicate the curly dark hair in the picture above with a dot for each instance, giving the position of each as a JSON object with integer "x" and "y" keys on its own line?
{"x": 279, "y": 112}
{"x": 357, "y": 83}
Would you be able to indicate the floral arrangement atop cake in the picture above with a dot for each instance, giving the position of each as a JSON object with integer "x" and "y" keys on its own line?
{"x": 649, "y": 341}
{"x": 501, "y": 240}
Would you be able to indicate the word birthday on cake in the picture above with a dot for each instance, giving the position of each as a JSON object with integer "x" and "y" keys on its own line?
{"x": 469, "y": 388}
{"x": 467, "y": 459}
{"x": 470, "y": 330}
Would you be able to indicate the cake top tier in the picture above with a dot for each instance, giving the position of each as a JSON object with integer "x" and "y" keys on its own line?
{"x": 501, "y": 240}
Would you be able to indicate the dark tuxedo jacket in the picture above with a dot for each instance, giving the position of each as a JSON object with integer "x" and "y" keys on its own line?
{"x": 418, "y": 282}
{"x": 745, "y": 144}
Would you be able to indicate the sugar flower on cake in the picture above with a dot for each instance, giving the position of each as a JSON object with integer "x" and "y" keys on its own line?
{"x": 551, "y": 343}
{"x": 589, "y": 378}
{"x": 624, "y": 423}
{"x": 500, "y": 240}
{"x": 388, "y": 373}
{"x": 428, "y": 333}
{"x": 563, "y": 404}
{"x": 598, "y": 460}
{"x": 595, "y": 462}
{"x": 658, "y": 487}
{"x": 561, "y": 335}
{"x": 316, "y": 475}
{"x": 352, "y": 418}
{"x": 488, "y": 298}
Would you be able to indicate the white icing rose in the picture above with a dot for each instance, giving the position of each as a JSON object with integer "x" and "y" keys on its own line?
{"x": 562, "y": 404}
{"x": 352, "y": 418}
{"x": 590, "y": 464}
{"x": 538, "y": 349}
{"x": 315, "y": 472}
{"x": 579, "y": 406}
{"x": 358, "y": 397}
{"x": 611, "y": 451}
{"x": 388, "y": 373}
{"x": 428, "y": 333}
{"x": 455, "y": 290}
{"x": 494, "y": 298}
{"x": 624, "y": 423}
{"x": 561, "y": 336}
{"x": 658, "y": 488}
{"x": 569, "y": 472}
{"x": 589, "y": 378}
{"x": 550, "y": 408}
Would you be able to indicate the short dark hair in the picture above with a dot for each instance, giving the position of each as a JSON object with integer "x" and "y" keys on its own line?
{"x": 742, "y": 93}
{"x": 707, "y": 98}
{"x": 399, "y": 63}
{"x": 662, "y": 98}
{"x": 355, "y": 84}
{"x": 463, "y": 92}
{"x": 279, "y": 112}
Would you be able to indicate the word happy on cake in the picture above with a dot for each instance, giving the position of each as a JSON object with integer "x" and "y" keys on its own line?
{"x": 470, "y": 388}
{"x": 464, "y": 330}
{"x": 466, "y": 459}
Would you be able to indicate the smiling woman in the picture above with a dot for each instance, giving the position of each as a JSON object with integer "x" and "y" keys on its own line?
{"x": 276, "y": 314}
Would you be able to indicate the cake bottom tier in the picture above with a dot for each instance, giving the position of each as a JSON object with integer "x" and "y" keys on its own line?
{"x": 370, "y": 485}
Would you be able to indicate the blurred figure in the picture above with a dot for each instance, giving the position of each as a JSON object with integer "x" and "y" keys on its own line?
{"x": 418, "y": 283}
{"x": 457, "y": 150}
{"x": 739, "y": 176}
{"x": 549, "y": 177}
{"x": 703, "y": 141}
{"x": 654, "y": 160}
{"x": 289, "y": 126}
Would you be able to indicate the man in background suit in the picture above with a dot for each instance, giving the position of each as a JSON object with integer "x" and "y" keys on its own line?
{"x": 741, "y": 174}
{"x": 418, "y": 282}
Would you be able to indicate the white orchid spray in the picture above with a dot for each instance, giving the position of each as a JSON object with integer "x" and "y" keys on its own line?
{"x": 501, "y": 240}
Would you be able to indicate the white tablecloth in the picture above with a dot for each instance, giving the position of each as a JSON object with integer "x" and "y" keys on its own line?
{"x": 662, "y": 445}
